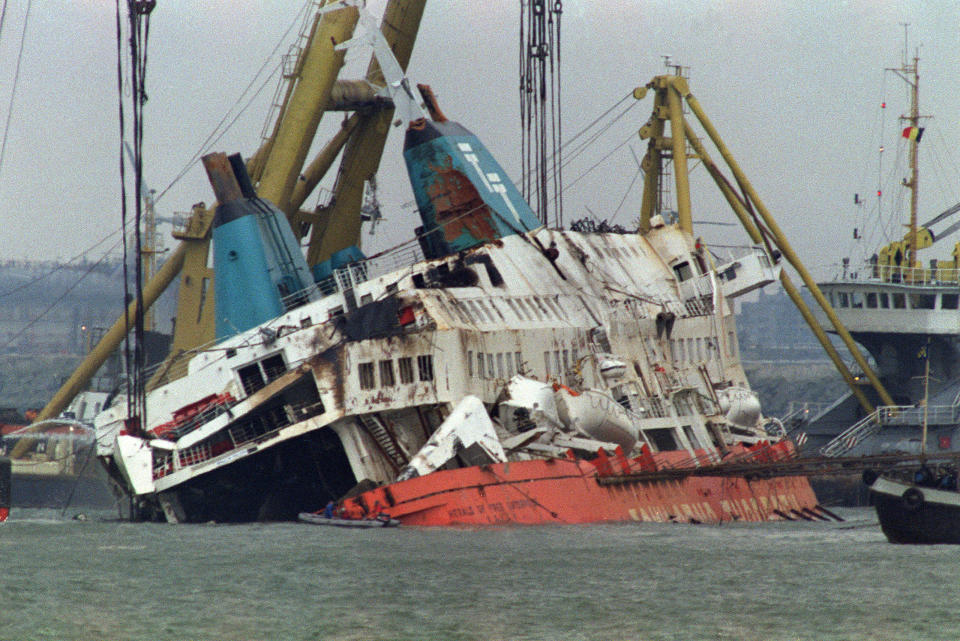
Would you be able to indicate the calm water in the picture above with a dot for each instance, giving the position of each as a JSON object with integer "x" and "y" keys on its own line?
{"x": 64, "y": 579}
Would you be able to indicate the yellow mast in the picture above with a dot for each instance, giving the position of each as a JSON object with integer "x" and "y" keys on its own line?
{"x": 911, "y": 75}
{"x": 274, "y": 164}
{"x": 669, "y": 90}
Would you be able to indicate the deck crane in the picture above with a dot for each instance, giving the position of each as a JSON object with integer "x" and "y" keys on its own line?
{"x": 279, "y": 171}
{"x": 670, "y": 92}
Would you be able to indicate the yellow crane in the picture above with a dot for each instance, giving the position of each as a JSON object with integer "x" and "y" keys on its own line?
{"x": 670, "y": 94}
{"x": 278, "y": 168}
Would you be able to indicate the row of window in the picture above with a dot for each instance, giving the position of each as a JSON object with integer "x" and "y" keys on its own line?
{"x": 501, "y": 365}
{"x": 531, "y": 308}
{"x": 883, "y": 300}
{"x": 698, "y": 350}
{"x": 368, "y": 371}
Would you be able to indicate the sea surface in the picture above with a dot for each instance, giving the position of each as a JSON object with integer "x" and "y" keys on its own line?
{"x": 105, "y": 579}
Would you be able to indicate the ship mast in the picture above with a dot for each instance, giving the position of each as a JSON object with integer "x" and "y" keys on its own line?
{"x": 911, "y": 75}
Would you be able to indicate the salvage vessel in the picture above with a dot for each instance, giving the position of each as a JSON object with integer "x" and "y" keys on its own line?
{"x": 493, "y": 370}
{"x": 901, "y": 305}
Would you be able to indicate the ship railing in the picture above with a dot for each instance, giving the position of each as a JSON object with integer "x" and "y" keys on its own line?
{"x": 890, "y": 415}
{"x": 200, "y": 418}
{"x": 803, "y": 411}
{"x": 349, "y": 276}
{"x": 850, "y": 437}
{"x": 868, "y": 271}
{"x": 254, "y": 428}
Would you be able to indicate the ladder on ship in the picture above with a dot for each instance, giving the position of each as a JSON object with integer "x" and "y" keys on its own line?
{"x": 850, "y": 437}
{"x": 386, "y": 441}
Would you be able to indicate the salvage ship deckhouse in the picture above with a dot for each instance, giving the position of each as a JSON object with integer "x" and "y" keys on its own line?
{"x": 495, "y": 371}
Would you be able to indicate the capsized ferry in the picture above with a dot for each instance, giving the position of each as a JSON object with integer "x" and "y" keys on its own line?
{"x": 492, "y": 371}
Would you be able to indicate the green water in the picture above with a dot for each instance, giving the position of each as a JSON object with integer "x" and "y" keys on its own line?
{"x": 64, "y": 579}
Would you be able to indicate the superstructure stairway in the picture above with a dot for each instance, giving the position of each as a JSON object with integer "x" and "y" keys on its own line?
{"x": 850, "y": 437}
{"x": 386, "y": 441}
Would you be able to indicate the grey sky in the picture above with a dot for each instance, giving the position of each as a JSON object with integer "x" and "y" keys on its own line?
{"x": 793, "y": 87}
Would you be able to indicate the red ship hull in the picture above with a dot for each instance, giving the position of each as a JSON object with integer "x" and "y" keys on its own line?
{"x": 571, "y": 491}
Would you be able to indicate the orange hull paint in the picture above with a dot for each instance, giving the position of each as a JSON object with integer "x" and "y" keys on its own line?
{"x": 568, "y": 491}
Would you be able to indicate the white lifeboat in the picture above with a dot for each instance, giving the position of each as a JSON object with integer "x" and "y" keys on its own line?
{"x": 598, "y": 415}
{"x": 740, "y": 405}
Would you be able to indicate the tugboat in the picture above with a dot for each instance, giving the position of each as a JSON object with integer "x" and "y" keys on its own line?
{"x": 925, "y": 509}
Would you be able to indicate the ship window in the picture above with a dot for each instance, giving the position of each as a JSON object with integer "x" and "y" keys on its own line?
{"x": 336, "y": 311}
{"x": 691, "y": 437}
{"x": 509, "y": 359}
{"x": 871, "y": 300}
{"x": 500, "y": 365}
{"x": 386, "y": 374}
{"x": 484, "y": 312}
{"x": 366, "y": 298}
{"x": 899, "y": 301}
{"x": 481, "y": 365}
{"x": 884, "y": 301}
{"x": 681, "y": 355}
{"x": 519, "y": 358}
{"x": 471, "y": 313}
{"x": 470, "y": 364}
{"x": 536, "y": 312}
{"x": 662, "y": 438}
{"x": 683, "y": 271}
{"x": 392, "y": 287}
{"x": 949, "y": 301}
{"x": 251, "y": 378}
{"x": 541, "y": 307}
{"x": 306, "y": 322}
{"x": 496, "y": 308}
{"x": 731, "y": 344}
{"x": 833, "y": 303}
{"x": 367, "y": 380}
{"x": 699, "y": 349}
{"x": 843, "y": 299}
{"x": 462, "y": 311}
{"x": 566, "y": 361}
{"x": 425, "y": 366}
{"x": 490, "y": 371}
{"x": 273, "y": 367}
{"x": 546, "y": 363}
{"x": 856, "y": 300}
{"x": 556, "y": 362}
{"x": 231, "y": 352}
{"x": 923, "y": 301}
{"x": 405, "y": 365}
{"x": 516, "y": 312}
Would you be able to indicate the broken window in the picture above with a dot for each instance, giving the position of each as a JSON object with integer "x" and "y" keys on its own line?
{"x": 386, "y": 374}
{"x": 273, "y": 367}
{"x": 405, "y": 365}
{"x": 425, "y": 367}
{"x": 367, "y": 380}
{"x": 256, "y": 375}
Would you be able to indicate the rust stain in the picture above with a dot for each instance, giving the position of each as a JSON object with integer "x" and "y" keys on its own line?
{"x": 458, "y": 204}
